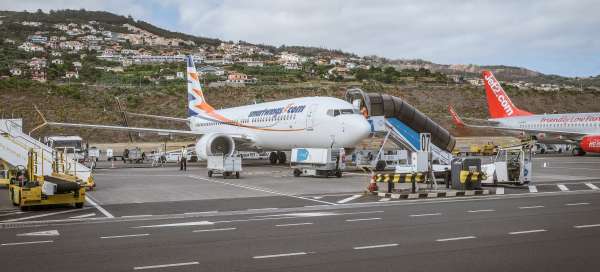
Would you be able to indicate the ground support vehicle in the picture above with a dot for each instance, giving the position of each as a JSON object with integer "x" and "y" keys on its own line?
{"x": 228, "y": 166}
{"x": 321, "y": 162}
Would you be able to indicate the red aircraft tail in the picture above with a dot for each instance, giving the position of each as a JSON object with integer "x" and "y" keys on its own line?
{"x": 499, "y": 104}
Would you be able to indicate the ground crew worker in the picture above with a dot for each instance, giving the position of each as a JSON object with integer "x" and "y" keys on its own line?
{"x": 364, "y": 112}
{"x": 183, "y": 159}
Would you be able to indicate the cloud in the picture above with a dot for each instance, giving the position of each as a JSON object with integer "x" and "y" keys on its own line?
{"x": 551, "y": 36}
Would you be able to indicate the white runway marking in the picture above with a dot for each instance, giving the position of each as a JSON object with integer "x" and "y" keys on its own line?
{"x": 375, "y": 246}
{"x": 455, "y": 238}
{"x": 577, "y": 204}
{"x": 27, "y": 243}
{"x": 526, "y": 231}
{"x": 531, "y": 207}
{"x": 184, "y": 224}
{"x": 562, "y": 187}
{"x": 348, "y": 199}
{"x": 478, "y": 211}
{"x": 201, "y": 212}
{"x": 83, "y": 216}
{"x": 363, "y": 219}
{"x": 163, "y": 265}
{"x": 293, "y": 224}
{"x": 425, "y": 214}
{"x": 134, "y": 216}
{"x": 40, "y": 215}
{"x": 263, "y": 209}
{"x": 41, "y": 233}
{"x": 260, "y": 190}
{"x": 211, "y": 230}
{"x": 586, "y": 226}
{"x": 500, "y": 190}
{"x": 592, "y": 186}
{"x": 280, "y": 255}
{"x": 385, "y": 199}
{"x": 88, "y": 198}
{"x": 124, "y": 236}
{"x": 533, "y": 189}
{"x": 13, "y": 213}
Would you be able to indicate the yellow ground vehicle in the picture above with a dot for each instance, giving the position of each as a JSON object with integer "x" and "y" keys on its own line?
{"x": 488, "y": 149}
{"x": 29, "y": 188}
{"x": 5, "y": 173}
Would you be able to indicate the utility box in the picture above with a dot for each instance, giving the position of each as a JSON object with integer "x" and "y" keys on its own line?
{"x": 322, "y": 162}
{"x": 466, "y": 173}
{"x": 226, "y": 165}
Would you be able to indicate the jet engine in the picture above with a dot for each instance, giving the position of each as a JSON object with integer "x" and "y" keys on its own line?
{"x": 214, "y": 144}
{"x": 590, "y": 144}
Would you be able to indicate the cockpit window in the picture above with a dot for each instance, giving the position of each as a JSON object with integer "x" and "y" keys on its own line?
{"x": 336, "y": 112}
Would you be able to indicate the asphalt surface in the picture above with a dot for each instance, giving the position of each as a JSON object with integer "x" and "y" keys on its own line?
{"x": 161, "y": 219}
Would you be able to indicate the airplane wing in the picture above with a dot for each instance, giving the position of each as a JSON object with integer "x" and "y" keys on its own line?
{"x": 178, "y": 119}
{"x": 487, "y": 124}
{"x": 158, "y": 131}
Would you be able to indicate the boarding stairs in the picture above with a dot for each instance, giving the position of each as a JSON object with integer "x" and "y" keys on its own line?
{"x": 405, "y": 137}
{"x": 15, "y": 146}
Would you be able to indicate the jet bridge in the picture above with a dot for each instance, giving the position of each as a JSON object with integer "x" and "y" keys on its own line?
{"x": 404, "y": 122}
{"x": 15, "y": 146}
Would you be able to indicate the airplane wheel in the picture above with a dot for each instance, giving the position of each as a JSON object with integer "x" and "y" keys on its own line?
{"x": 380, "y": 166}
{"x": 273, "y": 157}
{"x": 297, "y": 172}
{"x": 338, "y": 173}
{"x": 281, "y": 157}
{"x": 210, "y": 173}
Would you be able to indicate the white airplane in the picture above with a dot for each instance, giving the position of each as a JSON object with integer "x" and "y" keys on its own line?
{"x": 582, "y": 129}
{"x": 318, "y": 122}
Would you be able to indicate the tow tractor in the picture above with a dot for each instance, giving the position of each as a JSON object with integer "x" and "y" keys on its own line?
{"x": 511, "y": 165}
{"x": 29, "y": 186}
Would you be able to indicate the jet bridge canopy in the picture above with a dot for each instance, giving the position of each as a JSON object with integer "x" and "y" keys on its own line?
{"x": 377, "y": 104}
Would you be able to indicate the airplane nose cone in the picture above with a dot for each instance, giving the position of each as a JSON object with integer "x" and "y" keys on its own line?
{"x": 361, "y": 130}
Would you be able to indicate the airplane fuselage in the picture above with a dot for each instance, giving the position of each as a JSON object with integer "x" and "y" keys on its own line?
{"x": 281, "y": 125}
{"x": 580, "y": 123}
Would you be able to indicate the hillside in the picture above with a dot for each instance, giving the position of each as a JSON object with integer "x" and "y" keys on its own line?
{"x": 73, "y": 64}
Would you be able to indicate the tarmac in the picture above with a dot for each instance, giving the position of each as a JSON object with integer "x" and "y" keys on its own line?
{"x": 164, "y": 219}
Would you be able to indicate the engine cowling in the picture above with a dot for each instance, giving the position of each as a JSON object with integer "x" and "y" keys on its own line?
{"x": 590, "y": 144}
{"x": 215, "y": 144}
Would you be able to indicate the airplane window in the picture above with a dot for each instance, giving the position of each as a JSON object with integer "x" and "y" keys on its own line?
{"x": 346, "y": 111}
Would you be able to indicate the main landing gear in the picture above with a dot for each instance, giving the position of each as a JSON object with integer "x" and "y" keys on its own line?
{"x": 277, "y": 157}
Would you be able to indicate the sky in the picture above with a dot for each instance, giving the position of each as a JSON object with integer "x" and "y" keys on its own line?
{"x": 550, "y": 36}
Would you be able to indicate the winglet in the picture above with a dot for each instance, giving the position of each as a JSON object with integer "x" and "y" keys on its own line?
{"x": 455, "y": 118}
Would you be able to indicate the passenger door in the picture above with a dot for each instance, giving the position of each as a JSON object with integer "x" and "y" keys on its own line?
{"x": 310, "y": 116}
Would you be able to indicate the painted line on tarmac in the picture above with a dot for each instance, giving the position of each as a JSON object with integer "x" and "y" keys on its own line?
{"x": 531, "y": 207}
{"x": 480, "y": 211}
{"x": 294, "y": 224}
{"x": 201, "y": 212}
{"x": 526, "y": 231}
{"x": 263, "y": 209}
{"x": 135, "y": 216}
{"x": 592, "y": 186}
{"x": 587, "y": 226}
{"x": 125, "y": 236}
{"x": 577, "y": 204}
{"x": 533, "y": 189}
{"x": 562, "y": 187}
{"x": 27, "y": 243}
{"x": 164, "y": 265}
{"x": 211, "y": 230}
{"x": 375, "y": 246}
{"x": 12, "y": 213}
{"x": 348, "y": 199}
{"x": 261, "y": 190}
{"x": 89, "y": 198}
{"x": 280, "y": 255}
{"x": 500, "y": 190}
{"x": 184, "y": 224}
{"x": 455, "y": 238}
{"x": 575, "y": 168}
{"x": 363, "y": 219}
{"x": 425, "y": 214}
{"x": 82, "y": 216}
{"x": 41, "y": 215}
